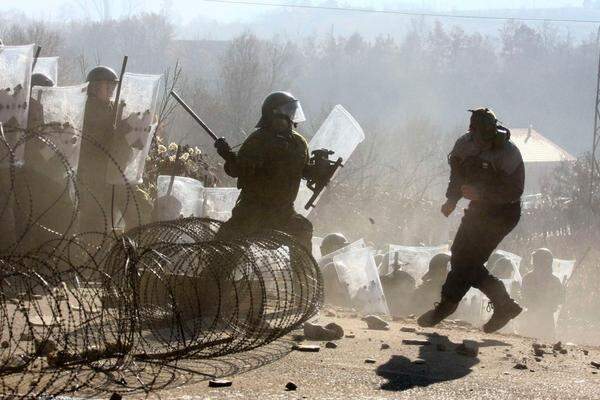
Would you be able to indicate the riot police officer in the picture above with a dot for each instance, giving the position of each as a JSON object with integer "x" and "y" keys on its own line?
{"x": 269, "y": 167}
{"x": 487, "y": 169}
{"x": 98, "y": 199}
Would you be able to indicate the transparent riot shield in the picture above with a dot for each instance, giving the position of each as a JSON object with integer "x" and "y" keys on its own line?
{"x": 219, "y": 202}
{"x": 15, "y": 79}
{"x": 515, "y": 261}
{"x": 416, "y": 258}
{"x": 47, "y": 66}
{"x": 133, "y": 136}
{"x": 563, "y": 269}
{"x": 358, "y": 273}
{"x": 185, "y": 198}
{"x": 327, "y": 258}
{"x": 56, "y": 117}
{"x": 340, "y": 133}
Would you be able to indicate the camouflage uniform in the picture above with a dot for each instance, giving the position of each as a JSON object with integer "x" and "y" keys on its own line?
{"x": 95, "y": 194}
{"x": 43, "y": 200}
{"x": 269, "y": 168}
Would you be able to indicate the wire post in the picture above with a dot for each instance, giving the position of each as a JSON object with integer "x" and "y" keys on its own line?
{"x": 596, "y": 139}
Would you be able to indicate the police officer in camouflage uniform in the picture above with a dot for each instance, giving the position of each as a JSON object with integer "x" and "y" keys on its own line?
{"x": 487, "y": 169}
{"x": 97, "y": 151}
{"x": 44, "y": 207}
{"x": 269, "y": 166}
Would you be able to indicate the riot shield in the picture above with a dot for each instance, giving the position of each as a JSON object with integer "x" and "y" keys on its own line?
{"x": 340, "y": 133}
{"x": 53, "y": 147}
{"x": 47, "y": 66}
{"x": 15, "y": 79}
{"x": 358, "y": 273}
{"x": 186, "y": 198}
{"x": 219, "y": 202}
{"x": 563, "y": 269}
{"x": 416, "y": 258}
{"x": 515, "y": 261}
{"x": 327, "y": 258}
{"x": 137, "y": 122}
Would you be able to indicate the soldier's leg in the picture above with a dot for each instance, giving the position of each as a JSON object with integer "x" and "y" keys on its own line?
{"x": 477, "y": 237}
{"x": 505, "y": 308}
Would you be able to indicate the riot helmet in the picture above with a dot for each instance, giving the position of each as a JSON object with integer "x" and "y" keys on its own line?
{"x": 438, "y": 267}
{"x": 39, "y": 79}
{"x": 102, "y": 74}
{"x": 281, "y": 104}
{"x": 333, "y": 242}
{"x": 542, "y": 259}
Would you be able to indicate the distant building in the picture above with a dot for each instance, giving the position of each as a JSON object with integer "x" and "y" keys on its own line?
{"x": 541, "y": 156}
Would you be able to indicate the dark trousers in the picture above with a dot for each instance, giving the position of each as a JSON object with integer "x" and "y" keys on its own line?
{"x": 481, "y": 230}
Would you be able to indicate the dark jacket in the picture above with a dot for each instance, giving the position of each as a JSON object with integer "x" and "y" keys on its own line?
{"x": 498, "y": 173}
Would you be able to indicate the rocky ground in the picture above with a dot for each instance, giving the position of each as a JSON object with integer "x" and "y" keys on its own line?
{"x": 403, "y": 362}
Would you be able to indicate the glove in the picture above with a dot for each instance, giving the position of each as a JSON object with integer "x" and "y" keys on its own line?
{"x": 223, "y": 148}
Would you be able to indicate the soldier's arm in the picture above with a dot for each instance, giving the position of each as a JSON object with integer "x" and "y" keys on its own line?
{"x": 245, "y": 161}
{"x": 454, "y": 193}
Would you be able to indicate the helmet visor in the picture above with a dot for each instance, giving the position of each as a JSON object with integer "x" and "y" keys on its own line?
{"x": 292, "y": 110}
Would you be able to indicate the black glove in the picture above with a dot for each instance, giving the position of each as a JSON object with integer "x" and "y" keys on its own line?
{"x": 223, "y": 148}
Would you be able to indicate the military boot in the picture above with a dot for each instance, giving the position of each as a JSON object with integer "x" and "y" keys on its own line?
{"x": 505, "y": 308}
{"x": 442, "y": 310}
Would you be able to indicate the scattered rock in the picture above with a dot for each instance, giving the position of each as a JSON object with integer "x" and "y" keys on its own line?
{"x": 350, "y": 336}
{"x": 412, "y": 316}
{"x": 468, "y": 348}
{"x": 537, "y": 359}
{"x": 44, "y": 347}
{"x": 354, "y": 315}
{"x": 407, "y": 329}
{"x": 370, "y": 361}
{"x": 4, "y": 344}
{"x": 330, "y": 331}
{"x": 563, "y": 351}
{"x": 219, "y": 383}
{"x": 520, "y": 366}
{"x": 307, "y": 348}
{"x": 116, "y": 396}
{"x": 331, "y": 345}
{"x": 290, "y": 386}
{"x": 419, "y": 362}
{"x": 595, "y": 364}
{"x": 557, "y": 346}
{"x": 376, "y": 323}
{"x": 330, "y": 313}
{"x": 441, "y": 347}
{"x": 385, "y": 346}
{"x": 416, "y": 342}
{"x": 538, "y": 352}
{"x": 585, "y": 352}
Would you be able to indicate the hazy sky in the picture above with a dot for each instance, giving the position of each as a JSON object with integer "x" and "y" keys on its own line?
{"x": 186, "y": 9}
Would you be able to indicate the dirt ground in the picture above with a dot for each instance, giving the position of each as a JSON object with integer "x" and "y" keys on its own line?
{"x": 424, "y": 371}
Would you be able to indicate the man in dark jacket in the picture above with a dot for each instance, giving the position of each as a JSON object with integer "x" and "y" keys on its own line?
{"x": 487, "y": 169}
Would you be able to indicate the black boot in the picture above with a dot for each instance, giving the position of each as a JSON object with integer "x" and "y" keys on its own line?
{"x": 442, "y": 310}
{"x": 505, "y": 308}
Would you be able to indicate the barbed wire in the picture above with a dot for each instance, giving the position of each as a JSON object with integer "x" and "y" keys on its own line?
{"x": 107, "y": 311}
